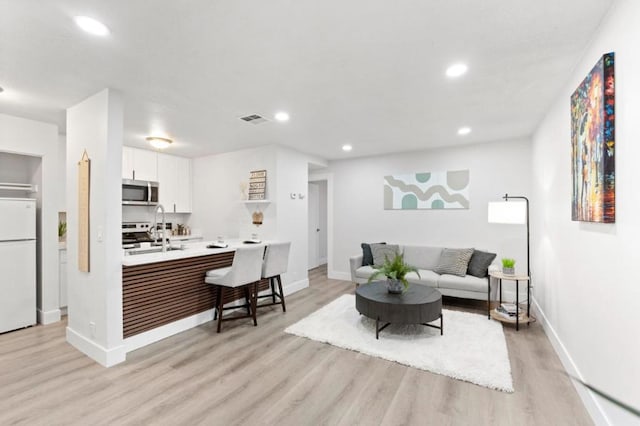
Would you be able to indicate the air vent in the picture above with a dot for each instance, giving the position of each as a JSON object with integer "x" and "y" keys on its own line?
{"x": 254, "y": 119}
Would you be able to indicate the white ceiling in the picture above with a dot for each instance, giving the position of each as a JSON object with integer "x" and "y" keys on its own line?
{"x": 365, "y": 72}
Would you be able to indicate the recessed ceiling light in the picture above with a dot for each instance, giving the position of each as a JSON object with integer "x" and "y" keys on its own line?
{"x": 158, "y": 142}
{"x": 464, "y": 131}
{"x": 91, "y": 26}
{"x": 347, "y": 148}
{"x": 281, "y": 116}
{"x": 456, "y": 70}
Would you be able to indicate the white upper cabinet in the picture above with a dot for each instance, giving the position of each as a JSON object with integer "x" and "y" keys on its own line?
{"x": 174, "y": 176}
{"x": 139, "y": 164}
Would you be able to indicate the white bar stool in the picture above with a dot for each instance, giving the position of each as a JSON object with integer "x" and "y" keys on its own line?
{"x": 276, "y": 263}
{"x": 245, "y": 271}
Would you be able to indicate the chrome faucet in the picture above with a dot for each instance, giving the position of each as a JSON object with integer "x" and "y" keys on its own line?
{"x": 164, "y": 226}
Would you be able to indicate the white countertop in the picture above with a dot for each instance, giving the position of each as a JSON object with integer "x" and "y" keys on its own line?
{"x": 191, "y": 250}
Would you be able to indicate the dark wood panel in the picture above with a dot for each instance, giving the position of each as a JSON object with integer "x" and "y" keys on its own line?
{"x": 159, "y": 293}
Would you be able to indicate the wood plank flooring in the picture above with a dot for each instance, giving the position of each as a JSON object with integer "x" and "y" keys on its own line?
{"x": 260, "y": 375}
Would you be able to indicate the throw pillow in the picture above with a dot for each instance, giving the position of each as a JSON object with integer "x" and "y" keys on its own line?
{"x": 479, "y": 263}
{"x": 454, "y": 261}
{"x": 367, "y": 256}
{"x": 383, "y": 251}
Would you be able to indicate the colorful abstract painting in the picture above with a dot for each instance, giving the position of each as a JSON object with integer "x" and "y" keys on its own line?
{"x": 593, "y": 145}
{"x": 430, "y": 190}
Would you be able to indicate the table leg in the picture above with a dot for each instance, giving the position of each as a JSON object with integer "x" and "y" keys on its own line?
{"x": 500, "y": 286}
{"x": 517, "y": 306}
{"x": 377, "y": 331}
{"x": 254, "y": 302}
{"x": 489, "y": 298}
{"x": 529, "y": 302}
{"x": 441, "y": 325}
{"x": 220, "y": 307}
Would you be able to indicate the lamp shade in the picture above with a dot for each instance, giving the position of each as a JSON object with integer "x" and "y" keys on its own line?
{"x": 514, "y": 212}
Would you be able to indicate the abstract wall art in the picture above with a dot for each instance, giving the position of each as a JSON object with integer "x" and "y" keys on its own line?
{"x": 593, "y": 145}
{"x": 430, "y": 190}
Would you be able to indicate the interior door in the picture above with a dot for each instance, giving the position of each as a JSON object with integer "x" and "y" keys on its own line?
{"x": 314, "y": 226}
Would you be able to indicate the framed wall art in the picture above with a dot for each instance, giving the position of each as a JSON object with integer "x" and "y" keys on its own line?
{"x": 593, "y": 145}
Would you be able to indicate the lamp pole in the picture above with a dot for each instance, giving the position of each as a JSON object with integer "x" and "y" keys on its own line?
{"x": 508, "y": 197}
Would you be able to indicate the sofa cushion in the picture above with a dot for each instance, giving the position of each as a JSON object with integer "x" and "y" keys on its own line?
{"x": 367, "y": 256}
{"x": 381, "y": 252}
{"x": 365, "y": 271}
{"x": 454, "y": 261}
{"x": 479, "y": 263}
{"x": 428, "y": 278}
{"x": 468, "y": 283}
{"x": 422, "y": 257}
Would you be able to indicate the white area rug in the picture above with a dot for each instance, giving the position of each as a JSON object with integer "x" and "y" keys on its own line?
{"x": 472, "y": 349}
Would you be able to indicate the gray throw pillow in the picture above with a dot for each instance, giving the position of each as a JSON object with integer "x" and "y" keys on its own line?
{"x": 382, "y": 251}
{"x": 367, "y": 256}
{"x": 479, "y": 263}
{"x": 454, "y": 261}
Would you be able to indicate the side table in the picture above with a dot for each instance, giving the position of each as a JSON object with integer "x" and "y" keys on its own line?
{"x": 526, "y": 319}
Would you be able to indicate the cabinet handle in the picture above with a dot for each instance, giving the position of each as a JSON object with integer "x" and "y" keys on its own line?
{"x": 174, "y": 207}
{"x": 134, "y": 174}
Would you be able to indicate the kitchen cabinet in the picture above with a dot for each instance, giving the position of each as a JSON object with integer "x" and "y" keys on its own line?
{"x": 174, "y": 177}
{"x": 139, "y": 164}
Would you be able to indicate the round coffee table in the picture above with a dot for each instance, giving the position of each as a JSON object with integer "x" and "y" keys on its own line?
{"x": 418, "y": 305}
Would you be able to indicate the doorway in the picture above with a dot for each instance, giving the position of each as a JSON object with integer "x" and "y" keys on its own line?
{"x": 318, "y": 246}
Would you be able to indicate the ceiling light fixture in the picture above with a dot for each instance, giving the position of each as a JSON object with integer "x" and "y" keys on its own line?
{"x": 92, "y": 26}
{"x": 464, "y": 131}
{"x": 281, "y": 116}
{"x": 158, "y": 142}
{"x": 456, "y": 70}
{"x": 347, "y": 148}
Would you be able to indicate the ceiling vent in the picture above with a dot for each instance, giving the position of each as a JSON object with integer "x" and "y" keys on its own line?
{"x": 254, "y": 119}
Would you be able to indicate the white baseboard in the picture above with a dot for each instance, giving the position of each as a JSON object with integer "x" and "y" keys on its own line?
{"x": 588, "y": 398}
{"x": 103, "y": 356}
{"x": 48, "y": 317}
{"x": 148, "y": 337}
{"x": 337, "y": 275}
{"x": 295, "y": 286}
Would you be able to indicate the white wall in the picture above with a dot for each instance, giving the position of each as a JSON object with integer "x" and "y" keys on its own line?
{"x": 586, "y": 274}
{"x": 322, "y": 185}
{"x": 95, "y": 298}
{"x": 358, "y": 216}
{"x": 33, "y": 138}
{"x": 62, "y": 165}
{"x": 217, "y": 206}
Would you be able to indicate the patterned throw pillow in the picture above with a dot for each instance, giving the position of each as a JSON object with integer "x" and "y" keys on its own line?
{"x": 383, "y": 251}
{"x": 479, "y": 263}
{"x": 454, "y": 261}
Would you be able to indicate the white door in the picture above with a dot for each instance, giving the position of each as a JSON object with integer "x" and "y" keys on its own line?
{"x": 314, "y": 226}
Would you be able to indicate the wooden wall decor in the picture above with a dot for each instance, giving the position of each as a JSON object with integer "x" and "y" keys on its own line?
{"x": 84, "y": 190}
{"x": 257, "y": 184}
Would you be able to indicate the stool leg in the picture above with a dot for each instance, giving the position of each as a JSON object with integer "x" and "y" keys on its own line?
{"x": 247, "y": 299}
{"x": 284, "y": 308}
{"x": 220, "y": 306}
{"x": 254, "y": 302}
{"x": 273, "y": 290}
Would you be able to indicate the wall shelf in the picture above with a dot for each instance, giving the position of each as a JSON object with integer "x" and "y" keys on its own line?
{"x": 255, "y": 201}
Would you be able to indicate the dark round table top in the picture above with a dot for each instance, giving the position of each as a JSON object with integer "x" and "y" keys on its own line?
{"x": 417, "y": 305}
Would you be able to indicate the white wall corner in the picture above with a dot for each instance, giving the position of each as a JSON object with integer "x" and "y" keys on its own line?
{"x": 103, "y": 356}
{"x": 588, "y": 398}
{"x": 339, "y": 275}
{"x": 49, "y": 317}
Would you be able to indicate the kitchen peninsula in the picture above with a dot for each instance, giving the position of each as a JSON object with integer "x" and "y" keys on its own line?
{"x": 165, "y": 293}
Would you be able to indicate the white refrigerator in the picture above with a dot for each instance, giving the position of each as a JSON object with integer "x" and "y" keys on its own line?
{"x": 17, "y": 263}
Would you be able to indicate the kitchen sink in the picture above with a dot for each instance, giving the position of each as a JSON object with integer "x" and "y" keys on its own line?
{"x": 133, "y": 252}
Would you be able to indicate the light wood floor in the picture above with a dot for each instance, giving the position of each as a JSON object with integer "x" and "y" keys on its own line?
{"x": 260, "y": 375}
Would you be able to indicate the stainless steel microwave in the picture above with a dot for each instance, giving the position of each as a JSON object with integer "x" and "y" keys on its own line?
{"x": 139, "y": 192}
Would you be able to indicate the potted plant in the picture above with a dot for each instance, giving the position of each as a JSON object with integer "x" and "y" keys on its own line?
{"x": 508, "y": 266}
{"x": 62, "y": 230}
{"x": 395, "y": 270}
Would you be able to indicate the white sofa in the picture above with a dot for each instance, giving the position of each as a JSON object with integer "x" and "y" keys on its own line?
{"x": 425, "y": 259}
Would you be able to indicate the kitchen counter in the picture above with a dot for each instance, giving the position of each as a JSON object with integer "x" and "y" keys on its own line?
{"x": 193, "y": 249}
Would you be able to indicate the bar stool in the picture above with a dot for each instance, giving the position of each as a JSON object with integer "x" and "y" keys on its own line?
{"x": 244, "y": 272}
{"x": 275, "y": 263}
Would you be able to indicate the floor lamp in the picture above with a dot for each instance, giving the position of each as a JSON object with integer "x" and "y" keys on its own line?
{"x": 512, "y": 213}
